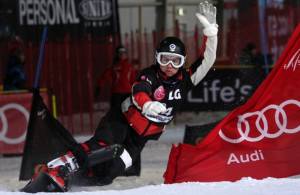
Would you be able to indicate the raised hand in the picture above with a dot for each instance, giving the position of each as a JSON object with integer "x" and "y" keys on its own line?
{"x": 207, "y": 17}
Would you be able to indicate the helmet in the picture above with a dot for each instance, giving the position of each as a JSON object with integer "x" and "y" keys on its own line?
{"x": 171, "y": 50}
{"x": 172, "y": 45}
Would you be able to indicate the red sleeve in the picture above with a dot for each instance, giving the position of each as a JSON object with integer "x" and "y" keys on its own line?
{"x": 140, "y": 98}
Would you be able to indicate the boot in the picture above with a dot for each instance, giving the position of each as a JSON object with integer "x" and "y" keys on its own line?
{"x": 53, "y": 178}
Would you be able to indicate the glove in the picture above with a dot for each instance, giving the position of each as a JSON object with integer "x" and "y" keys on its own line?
{"x": 207, "y": 17}
{"x": 153, "y": 108}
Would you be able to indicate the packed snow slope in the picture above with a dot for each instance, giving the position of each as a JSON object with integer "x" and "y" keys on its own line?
{"x": 150, "y": 182}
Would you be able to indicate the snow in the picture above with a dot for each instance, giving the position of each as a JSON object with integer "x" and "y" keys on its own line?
{"x": 150, "y": 182}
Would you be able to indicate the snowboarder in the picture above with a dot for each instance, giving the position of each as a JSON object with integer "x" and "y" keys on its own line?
{"x": 157, "y": 94}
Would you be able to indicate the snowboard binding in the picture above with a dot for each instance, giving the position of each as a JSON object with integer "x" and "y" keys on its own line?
{"x": 54, "y": 176}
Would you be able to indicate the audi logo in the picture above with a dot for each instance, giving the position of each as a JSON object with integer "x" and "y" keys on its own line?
{"x": 261, "y": 124}
{"x": 4, "y": 130}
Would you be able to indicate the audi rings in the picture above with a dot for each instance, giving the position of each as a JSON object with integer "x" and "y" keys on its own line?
{"x": 4, "y": 130}
{"x": 261, "y": 124}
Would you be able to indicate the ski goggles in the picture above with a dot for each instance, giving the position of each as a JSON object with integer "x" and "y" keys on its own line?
{"x": 165, "y": 58}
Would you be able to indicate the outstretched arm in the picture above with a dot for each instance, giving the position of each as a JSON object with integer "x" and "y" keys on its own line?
{"x": 207, "y": 17}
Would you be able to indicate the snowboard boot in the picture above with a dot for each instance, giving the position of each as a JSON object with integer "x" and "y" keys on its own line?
{"x": 55, "y": 177}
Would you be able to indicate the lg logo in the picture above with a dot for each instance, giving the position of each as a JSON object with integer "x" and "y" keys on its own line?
{"x": 175, "y": 95}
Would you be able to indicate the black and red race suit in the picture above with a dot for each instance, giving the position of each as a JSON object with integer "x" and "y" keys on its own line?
{"x": 153, "y": 85}
{"x": 130, "y": 126}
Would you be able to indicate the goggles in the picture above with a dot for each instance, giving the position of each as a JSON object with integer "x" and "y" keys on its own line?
{"x": 165, "y": 58}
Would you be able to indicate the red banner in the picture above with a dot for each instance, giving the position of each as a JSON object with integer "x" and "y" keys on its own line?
{"x": 14, "y": 117}
{"x": 258, "y": 139}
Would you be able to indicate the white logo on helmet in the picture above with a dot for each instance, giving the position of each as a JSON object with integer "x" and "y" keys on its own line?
{"x": 172, "y": 47}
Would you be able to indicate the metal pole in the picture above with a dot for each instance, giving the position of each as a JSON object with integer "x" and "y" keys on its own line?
{"x": 40, "y": 59}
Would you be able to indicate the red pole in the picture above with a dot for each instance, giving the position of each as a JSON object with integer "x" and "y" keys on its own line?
{"x": 59, "y": 53}
{"x": 110, "y": 51}
{"x": 50, "y": 67}
{"x": 126, "y": 44}
{"x": 79, "y": 81}
{"x": 68, "y": 82}
{"x": 202, "y": 48}
{"x": 139, "y": 47}
{"x": 132, "y": 45}
{"x": 154, "y": 38}
{"x": 146, "y": 47}
{"x": 30, "y": 62}
{"x": 177, "y": 29}
{"x": 196, "y": 40}
{"x": 89, "y": 81}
